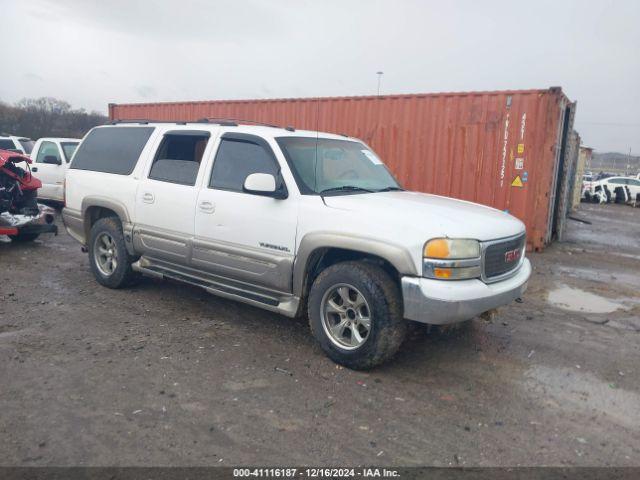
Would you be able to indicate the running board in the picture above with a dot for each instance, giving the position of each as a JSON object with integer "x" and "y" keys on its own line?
{"x": 286, "y": 304}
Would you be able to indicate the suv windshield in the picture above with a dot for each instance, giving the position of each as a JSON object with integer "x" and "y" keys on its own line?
{"x": 27, "y": 144}
{"x": 337, "y": 167}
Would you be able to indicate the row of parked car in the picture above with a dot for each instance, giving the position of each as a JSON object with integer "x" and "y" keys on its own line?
{"x": 604, "y": 189}
{"x": 50, "y": 157}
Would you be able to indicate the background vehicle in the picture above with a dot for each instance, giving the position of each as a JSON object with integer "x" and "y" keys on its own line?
{"x": 16, "y": 144}
{"x": 292, "y": 222}
{"x": 51, "y": 157}
{"x": 21, "y": 218}
{"x": 633, "y": 184}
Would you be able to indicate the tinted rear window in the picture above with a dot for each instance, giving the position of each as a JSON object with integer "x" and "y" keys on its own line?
{"x": 112, "y": 149}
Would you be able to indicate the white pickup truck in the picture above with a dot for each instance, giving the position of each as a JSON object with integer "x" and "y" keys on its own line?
{"x": 291, "y": 221}
{"x": 51, "y": 157}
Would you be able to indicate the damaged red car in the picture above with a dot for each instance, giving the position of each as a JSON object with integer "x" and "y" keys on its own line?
{"x": 21, "y": 217}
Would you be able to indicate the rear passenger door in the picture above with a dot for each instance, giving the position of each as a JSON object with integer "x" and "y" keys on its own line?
{"x": 166, "y": 196}
{"x": 240, "y": 235}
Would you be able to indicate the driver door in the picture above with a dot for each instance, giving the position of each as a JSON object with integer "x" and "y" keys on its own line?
{"x": 239, "y": 235}
{"x": 51, "y": 175}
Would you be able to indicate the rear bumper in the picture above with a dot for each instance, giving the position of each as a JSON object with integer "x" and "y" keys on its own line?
{"x": 11, "y": 224}
{"x": 441, "y": 302}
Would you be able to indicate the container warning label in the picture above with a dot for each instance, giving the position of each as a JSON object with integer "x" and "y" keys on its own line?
{"x": 517, "y": 182}
{"x": 521, "y": 148}
{"x": 519, "y": 163}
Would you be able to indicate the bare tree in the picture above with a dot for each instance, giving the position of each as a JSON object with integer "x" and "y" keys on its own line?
{"x": 47, "y": 117}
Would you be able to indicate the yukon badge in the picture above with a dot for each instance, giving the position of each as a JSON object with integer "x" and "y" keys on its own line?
{"x": 274, "y": 247}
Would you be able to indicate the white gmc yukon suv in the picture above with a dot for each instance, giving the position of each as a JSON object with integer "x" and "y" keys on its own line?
{"x": 291, "y": 221}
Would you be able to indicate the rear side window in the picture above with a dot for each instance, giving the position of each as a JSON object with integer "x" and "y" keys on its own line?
{"x": 178, "y": 157}
{"x": 237, "y": 159}
{"x": 68, "y": 148}
{"x": 111, "y": 149}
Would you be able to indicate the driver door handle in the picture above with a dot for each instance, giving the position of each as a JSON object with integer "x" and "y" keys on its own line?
{"x": 206, "y": 207}
{"x": 34, "y": 169}
{"x": 148, "y": 197}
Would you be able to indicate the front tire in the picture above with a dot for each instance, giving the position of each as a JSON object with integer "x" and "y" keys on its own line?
{"x": 24, "y": 237}
{"x": 355, "y": 314}
{"x": 108, "y": 256}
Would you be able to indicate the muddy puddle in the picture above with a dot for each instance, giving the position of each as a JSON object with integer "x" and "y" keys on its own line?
{"x": 574, "y": 299}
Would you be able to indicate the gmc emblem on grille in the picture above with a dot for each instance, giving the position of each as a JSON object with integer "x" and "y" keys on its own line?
{"x": 512, "y": 255}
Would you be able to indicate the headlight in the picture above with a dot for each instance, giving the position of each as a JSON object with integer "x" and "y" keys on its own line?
{"x": 451, "y": 248}
{"x": 451, "y": 259}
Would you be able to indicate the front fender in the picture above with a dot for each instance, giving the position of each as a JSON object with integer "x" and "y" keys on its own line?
{"x": 396, "y": 255}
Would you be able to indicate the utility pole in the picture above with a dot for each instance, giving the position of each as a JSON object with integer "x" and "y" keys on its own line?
{"x": 379, "y": 79}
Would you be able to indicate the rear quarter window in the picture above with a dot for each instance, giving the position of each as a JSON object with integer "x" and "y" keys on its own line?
{"x": 111, "y": 149}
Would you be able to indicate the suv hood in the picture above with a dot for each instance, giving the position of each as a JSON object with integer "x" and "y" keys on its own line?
{"x": 429, "y": 216}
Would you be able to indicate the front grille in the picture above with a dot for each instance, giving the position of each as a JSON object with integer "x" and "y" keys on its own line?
{"x": 495, "y": 257}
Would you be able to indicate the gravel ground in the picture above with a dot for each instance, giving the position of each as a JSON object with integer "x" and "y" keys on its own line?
{"x": 166, "y": 374}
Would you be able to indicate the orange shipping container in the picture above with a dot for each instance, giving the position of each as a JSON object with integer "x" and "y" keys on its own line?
{"x": 506, "y": 149}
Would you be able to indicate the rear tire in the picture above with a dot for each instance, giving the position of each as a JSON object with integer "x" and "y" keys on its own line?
{"x": 24, "y": 237}
{"x": 108, "y": 256}
{"x": 365, "y": 329}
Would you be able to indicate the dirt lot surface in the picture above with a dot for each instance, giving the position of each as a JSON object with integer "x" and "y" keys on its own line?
{"x": 166, "y": 374}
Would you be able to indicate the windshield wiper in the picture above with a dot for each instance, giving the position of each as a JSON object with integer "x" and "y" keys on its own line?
{"x": 345, "y": 188}
{"x": 391, "y": 189}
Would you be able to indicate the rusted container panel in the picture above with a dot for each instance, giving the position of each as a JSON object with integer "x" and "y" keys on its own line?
{"x": 502, "y": 149}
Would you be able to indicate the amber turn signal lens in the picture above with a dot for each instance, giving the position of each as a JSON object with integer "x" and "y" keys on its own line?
{"x": 438, "y": 248}
{"x": 442, "y": 272}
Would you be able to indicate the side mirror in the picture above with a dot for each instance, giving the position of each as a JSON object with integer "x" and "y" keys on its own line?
{"x": 264, "y": 184}
{"x": 52, "y": 160}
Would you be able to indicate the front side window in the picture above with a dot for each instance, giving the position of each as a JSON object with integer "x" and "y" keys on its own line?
{"x": 328, "y": 166}
{"x": 47, "y": 149}
{"x": 237, "y": 158}
{"x": 179, "y": 156}
{"x": 68, "y": 148}
{"x": 633, "y": 182}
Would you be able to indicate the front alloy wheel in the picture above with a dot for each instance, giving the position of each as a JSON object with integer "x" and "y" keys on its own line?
{"x": 355, "y": 313}
{"x": 345, "y": 316}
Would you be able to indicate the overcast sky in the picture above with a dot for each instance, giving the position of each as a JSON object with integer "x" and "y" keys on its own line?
{"x": 92, "y": 52}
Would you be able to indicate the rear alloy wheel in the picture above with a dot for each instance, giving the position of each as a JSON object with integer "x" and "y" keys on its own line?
{"x": 108, "y": 256}
{"x": 355, "y": 314}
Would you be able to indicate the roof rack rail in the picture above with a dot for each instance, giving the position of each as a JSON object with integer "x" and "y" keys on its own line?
{"x": 146, "y": 121}
{"x": 239, "y": 120}
{"x": 225, "y": 122}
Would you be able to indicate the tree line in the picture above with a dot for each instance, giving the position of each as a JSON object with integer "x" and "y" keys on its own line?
{"x": 47, "y": 117}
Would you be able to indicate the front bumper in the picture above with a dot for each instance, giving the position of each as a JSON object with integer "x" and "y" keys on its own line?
{"x": 440, "y": 302}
